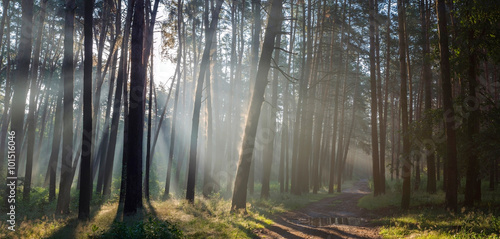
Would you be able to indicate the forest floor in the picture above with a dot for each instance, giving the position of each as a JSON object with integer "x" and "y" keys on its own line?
{"x": 332, "y": 217}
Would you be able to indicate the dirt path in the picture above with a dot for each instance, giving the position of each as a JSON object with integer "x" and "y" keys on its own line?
{"x": 332, "y": 217}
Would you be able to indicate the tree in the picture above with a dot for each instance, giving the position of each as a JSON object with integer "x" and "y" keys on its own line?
{"x": 68, "y": 81}
{"x": 120, "y": 88}
{"x": 269, "y": 151}
{"x": 32, "y": 106}
{"x": 449, "y": 113}
{"x": 373, "y": 105}
{"x": 85, "y": 169}
{"x": 197, "y": 104}
{"x": 405, "y": 200}
{"x": 133, "y": 196}
{"x": 20, "y": 87}
{"x": 427, "y": 78}
{"x": 243, "y": 170}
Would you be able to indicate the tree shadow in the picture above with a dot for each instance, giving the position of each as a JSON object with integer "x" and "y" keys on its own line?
{"x": 70, "y": 229}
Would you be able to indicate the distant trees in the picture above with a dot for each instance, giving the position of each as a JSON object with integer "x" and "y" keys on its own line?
{"x": 332, "y": 97}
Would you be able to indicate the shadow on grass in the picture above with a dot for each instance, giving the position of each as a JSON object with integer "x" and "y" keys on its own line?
{"x": 70, "y": 229}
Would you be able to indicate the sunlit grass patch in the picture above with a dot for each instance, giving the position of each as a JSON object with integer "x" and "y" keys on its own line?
{"x": 438, "y": 223}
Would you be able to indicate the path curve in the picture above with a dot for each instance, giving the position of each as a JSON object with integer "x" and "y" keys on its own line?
{"x": 315, "y": 220}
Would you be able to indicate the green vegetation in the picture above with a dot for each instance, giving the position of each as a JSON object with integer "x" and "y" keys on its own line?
{"x": 428, "y": 218}
{"x": 173, "y": 218}
{"x": 435, "y": 222}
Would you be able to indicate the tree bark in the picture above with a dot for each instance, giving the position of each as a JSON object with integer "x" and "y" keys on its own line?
{"x": 405, "y": 200}
{"x": 197, "y": 105}
{"x": 85, "y": 166}
{"x": 273, "y": 28}
{"x": 133, "y": 196}
{"x": 449, "y": 114}
{"x": 68, "y": 81}
{"x": 373, "y": 105}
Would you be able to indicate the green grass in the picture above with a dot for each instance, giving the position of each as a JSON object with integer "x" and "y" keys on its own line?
{"x": 439, "y": 223}
{"x": 428, "y": 218}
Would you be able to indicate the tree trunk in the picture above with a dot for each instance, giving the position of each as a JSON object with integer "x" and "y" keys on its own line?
{"x": 197, "y": 104}
{"x": 68, "y": 81}
{"x": 85, "y": 166}
{"x": 20, "y": 91}
{"x": 33, "y": 105}
{"x": 427, "y": 79}
{"x": 56, "y": 143}
{"x": 405, "y": 200}
{"x": 449, "y": 114}
{"x": 133, "y": 196}
{"x": 269, "y": 156}
{"x": 373, "y": 105}
{"x": 273, "y": 28}
{"x": 473, "y": 181}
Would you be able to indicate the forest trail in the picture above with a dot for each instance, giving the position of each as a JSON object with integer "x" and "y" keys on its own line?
{"x": 332, "y": 217}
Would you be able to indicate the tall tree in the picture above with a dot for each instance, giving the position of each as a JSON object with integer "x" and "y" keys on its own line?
{"x": 175, "y": 110}
{"x": 242, "y": 173}
{"x": 20, "y": 87}
{"x": 197, "y": 103}
{"x": 85, "y": 169}
{"x": 427, "y": 79}
{"x": 32, "y": 105}
{"x": 133, "y": 196}
{"x": 449, "y": 113}
{"x": 373, "y": 105}
{"x": 405, "y": 200}
{"x": 68, "y": 81}
{"x": 269, "y": 151}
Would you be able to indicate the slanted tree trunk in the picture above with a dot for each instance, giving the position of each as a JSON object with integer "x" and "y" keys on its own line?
{"x": 197, "y": 104}
{"x": 242, "y": 173}
{"x": 85, "y": 165}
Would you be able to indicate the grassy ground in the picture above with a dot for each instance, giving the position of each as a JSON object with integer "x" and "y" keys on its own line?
{"x": 173, "y": 218}
{"x": 428, "y": 218}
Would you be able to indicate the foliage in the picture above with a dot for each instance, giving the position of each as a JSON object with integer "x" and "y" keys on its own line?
{"x": 152, "y": 228}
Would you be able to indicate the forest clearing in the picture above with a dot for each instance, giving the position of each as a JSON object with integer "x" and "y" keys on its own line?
{"x": 249, "y": 119}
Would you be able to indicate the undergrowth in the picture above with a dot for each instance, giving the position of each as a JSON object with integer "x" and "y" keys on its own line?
{"x": 172, "y": 218}
{"x": 428, "y": 218}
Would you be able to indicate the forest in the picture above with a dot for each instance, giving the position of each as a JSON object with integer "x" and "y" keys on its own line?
{"x": 250, "y": 119}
